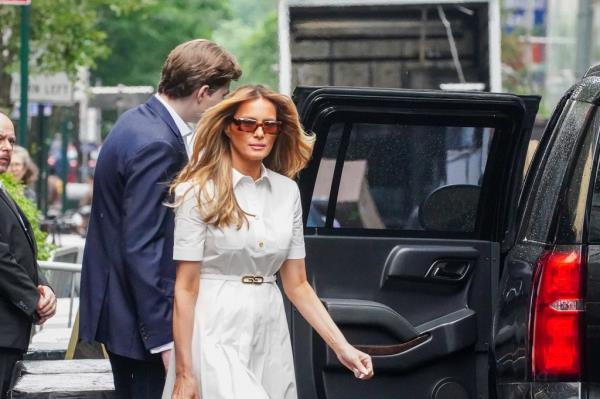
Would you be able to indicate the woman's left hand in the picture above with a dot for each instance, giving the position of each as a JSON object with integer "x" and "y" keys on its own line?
{"x": 356, "y": 361}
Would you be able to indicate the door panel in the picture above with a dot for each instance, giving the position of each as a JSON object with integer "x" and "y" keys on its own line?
{"x": 406, "y": 201}
{"x": 411, "y": 325}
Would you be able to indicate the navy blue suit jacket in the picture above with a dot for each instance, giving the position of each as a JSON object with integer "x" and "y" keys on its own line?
{"x": 128, "y": 274}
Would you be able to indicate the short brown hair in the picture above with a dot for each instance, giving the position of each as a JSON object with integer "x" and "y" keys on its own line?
{"x": 194, "y": 64}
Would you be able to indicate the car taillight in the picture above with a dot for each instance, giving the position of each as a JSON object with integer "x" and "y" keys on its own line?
{"x": 558, "y": 302}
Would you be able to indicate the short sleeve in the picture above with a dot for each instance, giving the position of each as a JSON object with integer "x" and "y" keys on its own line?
{"x": 297, "y": 250}
{"x": 190, "y": 229}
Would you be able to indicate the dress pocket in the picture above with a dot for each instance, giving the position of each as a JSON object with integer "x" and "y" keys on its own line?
{"x": 228, "y": 238}
{"x": 281, "y": 235}
{"x": 283, "y": 240}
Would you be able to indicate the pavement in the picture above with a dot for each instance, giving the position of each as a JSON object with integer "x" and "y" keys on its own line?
{"x": 68, "y": 240}
{"x": 51, "y": 339}
{"x": 66, "y": 310}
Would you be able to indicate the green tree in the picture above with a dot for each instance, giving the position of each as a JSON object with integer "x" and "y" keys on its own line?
{"x": 259, "y": 53}
{"x": 251, "y": 34}
{"x": 31, "y": 212}
{"x": 140, "y": 42}
{"x": 252, "y": 12}
{"x": 63, "y": 36}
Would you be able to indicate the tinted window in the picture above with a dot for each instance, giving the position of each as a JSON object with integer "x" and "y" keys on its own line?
{"x": 401, "y": 177}
{"x": 543, "y": 193}
{"x": 318, "y": 206}
{"x": 594, "y": 212}
{"x": 594, "y": 228}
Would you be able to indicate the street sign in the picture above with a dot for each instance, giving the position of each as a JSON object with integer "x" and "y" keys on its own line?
{"x": 16, "y": 2}
{"x": 54, "y": 89}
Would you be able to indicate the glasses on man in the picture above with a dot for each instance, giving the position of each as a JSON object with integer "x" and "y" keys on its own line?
{"x": 250, "y": 125}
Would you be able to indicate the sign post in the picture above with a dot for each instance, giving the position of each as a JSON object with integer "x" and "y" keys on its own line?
{"x": 45, "y": 90}
{"x": 23, "y": 133}
{"x": 24, "y": 59}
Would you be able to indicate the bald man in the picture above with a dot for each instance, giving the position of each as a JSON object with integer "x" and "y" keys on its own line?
{"x": 25, "y": 297}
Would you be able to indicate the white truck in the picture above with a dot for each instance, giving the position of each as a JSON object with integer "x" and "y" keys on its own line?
{"x": 413, "y": 44}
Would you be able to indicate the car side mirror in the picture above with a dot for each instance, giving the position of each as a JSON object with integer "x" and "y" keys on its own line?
{"x": 451, "y": 208}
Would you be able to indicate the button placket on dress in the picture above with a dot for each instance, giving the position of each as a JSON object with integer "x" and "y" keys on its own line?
{"x": 256, "y": 209}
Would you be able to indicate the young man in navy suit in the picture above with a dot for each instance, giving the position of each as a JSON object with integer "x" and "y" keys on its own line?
{"x": 25, "y": 297}
{"x": 128, "y": 270}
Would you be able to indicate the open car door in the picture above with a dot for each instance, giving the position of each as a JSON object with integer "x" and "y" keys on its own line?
{"x": 407, "y": 202}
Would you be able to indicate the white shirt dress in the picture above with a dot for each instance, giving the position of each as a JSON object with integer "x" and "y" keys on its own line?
{"x": 240, "y": 344}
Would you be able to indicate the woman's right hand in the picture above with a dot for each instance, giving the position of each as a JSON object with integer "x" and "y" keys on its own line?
{"x": 356, "y": 361}
{"x": 186, "y": 387}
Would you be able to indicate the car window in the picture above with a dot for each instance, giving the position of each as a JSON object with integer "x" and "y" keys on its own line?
{"x": 594, "y": 219}
{"x": 320, "y": 199}
{"x": 594, "y": 226}
{"x": 543, "y": 193}
{"x": 396, "y": 176}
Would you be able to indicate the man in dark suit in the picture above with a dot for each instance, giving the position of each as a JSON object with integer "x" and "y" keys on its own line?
{"x": 25, "y": 297}
{"x": 128, "y": 271}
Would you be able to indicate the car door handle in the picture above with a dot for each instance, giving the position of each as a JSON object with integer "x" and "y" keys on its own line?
{"x": 449, "y": 270}
{"x": 419, "y": 262}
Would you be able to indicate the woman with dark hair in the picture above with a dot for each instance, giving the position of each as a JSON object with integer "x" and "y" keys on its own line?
{"x": 24, "y": 170}
{"x": 239, "y": 222}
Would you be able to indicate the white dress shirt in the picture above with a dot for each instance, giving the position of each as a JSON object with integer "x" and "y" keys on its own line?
{"x": 184, "y": 129}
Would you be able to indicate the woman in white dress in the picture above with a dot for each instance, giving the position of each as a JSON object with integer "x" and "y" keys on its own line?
{"x": 239, "y": 222}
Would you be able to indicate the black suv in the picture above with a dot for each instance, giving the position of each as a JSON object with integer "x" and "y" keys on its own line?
{"x": 462, "y": 275}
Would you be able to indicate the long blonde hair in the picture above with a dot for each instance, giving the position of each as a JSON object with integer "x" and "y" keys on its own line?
{"x": 210, "y": 166}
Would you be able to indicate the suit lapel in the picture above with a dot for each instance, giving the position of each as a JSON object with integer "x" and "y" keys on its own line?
{"x": 155, "y": 105}
{"x": 28, "y": 231}
{"x": 19, "y": 215}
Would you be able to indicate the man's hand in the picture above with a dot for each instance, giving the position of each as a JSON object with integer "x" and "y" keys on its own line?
{"x": 166, "y": 355}
{"x": 46, "y": 307}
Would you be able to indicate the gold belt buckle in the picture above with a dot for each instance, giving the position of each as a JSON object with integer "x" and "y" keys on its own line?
{"x": 249, "y": 279}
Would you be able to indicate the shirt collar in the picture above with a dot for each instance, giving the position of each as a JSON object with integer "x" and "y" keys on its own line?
{"x": 237, "y": 176}
{"x": 183, "y": 127}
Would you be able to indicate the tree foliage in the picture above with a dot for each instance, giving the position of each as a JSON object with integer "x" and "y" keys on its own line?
{"x": 126, "y": 41}
{"x": 140, "y": 41}
{"x": 252, "y": 36}
{"x": 31, "y": 212}
{"x": 259, "y": 53}
{"x": 63, "y": 35}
